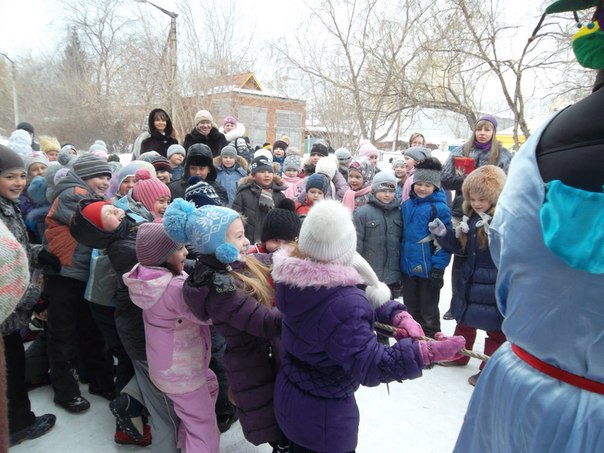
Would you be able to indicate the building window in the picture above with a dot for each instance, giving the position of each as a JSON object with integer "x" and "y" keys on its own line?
{"x": 289, "y": 123}
{"x": 254, "y": 119}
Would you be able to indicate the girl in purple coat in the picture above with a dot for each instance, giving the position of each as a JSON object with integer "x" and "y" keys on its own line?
{"x": 328, "y": 337}
{"x": 233, "y": 291}
{"x": 178, "y": 344}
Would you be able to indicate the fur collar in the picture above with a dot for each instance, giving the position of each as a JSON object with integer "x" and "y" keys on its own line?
{"x": 304, "y": 273}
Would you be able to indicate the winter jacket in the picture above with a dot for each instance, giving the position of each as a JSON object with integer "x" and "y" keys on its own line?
{"x": 379, "y": 232}
{"x": 451, "y": 181}
{"x": 120, "y": 246}
{"x": 157, "y": 141}
{"x": 215, "y": 140}
{"x": 229, "y": 177}
{"x": 473, "y": 303}
{"x": 10, "y": 216}
{"x": 330, "y": 349}
{"x": 178, "y": 343}
{"x": 419, "y": 253}
{"x": 247, "y": 203}
{"x": 248, "y": 327}
{"x": 74, "y": 256}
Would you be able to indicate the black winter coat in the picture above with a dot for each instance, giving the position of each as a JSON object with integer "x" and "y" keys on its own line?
{"x": 158, "y": 142}
{"x": 215, "y": 140}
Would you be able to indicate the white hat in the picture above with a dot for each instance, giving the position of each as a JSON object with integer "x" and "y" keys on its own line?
{"x": 327, "y": 234}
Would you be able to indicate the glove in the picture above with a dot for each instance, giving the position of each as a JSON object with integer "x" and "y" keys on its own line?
{"x": 442, "y": 349}
{"x": 47, "y": 259}
{"x": 436, "y": 278}
{"x": 437, "y": 227}
{"x": 407, "y": 326}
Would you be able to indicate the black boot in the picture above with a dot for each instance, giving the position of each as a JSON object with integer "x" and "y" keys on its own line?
{"x": 38, "y": 428}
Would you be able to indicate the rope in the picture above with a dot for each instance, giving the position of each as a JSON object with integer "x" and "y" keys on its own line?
{"x": 466, "y": 352}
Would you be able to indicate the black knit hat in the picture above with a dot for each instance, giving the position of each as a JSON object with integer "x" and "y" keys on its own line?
{"x": 261, "y": 163}
{"x": 9, "y": 160}
{"x": 281, "y": 222}
{"x": 319, "y": 148}
{"x": 280, "y": 144}
{"x": 90, "y": 166}
{"x": 26, "y": 127}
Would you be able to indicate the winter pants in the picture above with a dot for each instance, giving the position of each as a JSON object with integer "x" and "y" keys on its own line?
{"x": 224, "y": 408}
{"x": 421, "y": 299}
{"x": 198, "y": 428}
{"x": 295, "y": 448}
{"x": 20, "y": 414}
{"x": 105, "y": 321}
{"x": 493, "y": 340}
{"x": 70, "y": 323}
{"x": 36, "y": 362}
{"x": 163, "y": 420}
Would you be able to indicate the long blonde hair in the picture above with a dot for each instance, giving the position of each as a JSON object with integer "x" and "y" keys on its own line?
{"x": 495, "y": 145}
{"x": 255, "y": 279}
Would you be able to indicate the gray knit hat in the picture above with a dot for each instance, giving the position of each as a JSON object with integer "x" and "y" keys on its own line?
{"x": 229, "y": 151}
{"x": 292, "y": 163}
{"x": 153, "y": 246}
{"x": 384, "y": 180}
{"x": 418, "y": 153}
{"x": 343, "y": 155}
{"x": 89, "y": 166}
{"x": 9, "y": 160}
{"x": 428, "y": 171}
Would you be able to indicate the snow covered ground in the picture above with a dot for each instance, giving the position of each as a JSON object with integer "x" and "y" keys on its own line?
{"x": 419, "y": 416}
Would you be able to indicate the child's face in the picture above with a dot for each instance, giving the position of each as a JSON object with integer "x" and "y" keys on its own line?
{"x": 229, "y": 127}
{"x": 52, "y": 156}
{"x": 263, "y": 178}
{"x": 399, "y": 171}
{"x": 410, "y": 162}
{"x": 202, "y": 172}
{"x": 98, "y": 184}
{"x": 111, "y": 217}
{"x": 164, "y": 176}
{"x": 278, "y": 152}
{"x": 127, "y": 184}
{"x": 355, "y": 180}
{"x": 423, "y": 189}
{"x": 235, "y": 235}
{"x": 228, "y": 161}
{"x": 177, "y": 259}
{"x": 37, "y": 169}
{"x": 274, "y": 244}
{"x": 417, "y": 141}
{"x": 292, "y": 173}
{"x": 485, "y": 133}
{"x": 385, "y": 196}
{"x": 12, "y": 184}
{"x": 373, "y": 159}
{"x": 176, "y": 159}
{"x": 313, "y": 194}
{"x": 159, "y": 207}
{"x": 204, "y": 126}
{"x": 159, "y": 124}
{"x": 479, "y": 203}
{"x": 314, "y": 158}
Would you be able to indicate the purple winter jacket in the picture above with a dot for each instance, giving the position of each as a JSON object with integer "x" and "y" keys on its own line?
{"x": 250, "y": 330}
{"x": 330, "y": 349}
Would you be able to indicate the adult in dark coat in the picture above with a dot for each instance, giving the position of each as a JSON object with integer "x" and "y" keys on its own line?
{"x": 161, "y": 133}
{"x": 206, "y": 132}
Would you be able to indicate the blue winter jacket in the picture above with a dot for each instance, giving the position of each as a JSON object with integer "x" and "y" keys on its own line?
{"x": 417, "y": 257}
{"x": 474, "y": 302}
{"x": 228, "y": 178}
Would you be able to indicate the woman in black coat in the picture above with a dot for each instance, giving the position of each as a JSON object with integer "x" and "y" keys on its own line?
{"x": 162, "y": 133}
{"x": 205, "y": 132}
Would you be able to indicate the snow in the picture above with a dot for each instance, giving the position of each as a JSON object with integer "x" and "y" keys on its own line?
{"x": 419, "y": 416}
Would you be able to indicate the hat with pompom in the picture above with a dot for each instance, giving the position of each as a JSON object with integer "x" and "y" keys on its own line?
{"x": 279, "y": 144}
{"x": 148, "y": 189}
{"x": 428, "y": 171}
{"x": 204, "y": 228}
{"x": 292, "y": 163}
{"x": 328, "y": 234}
{"x": 153, "y": 245}
{"x": 201, "y": 193}
{"x": 367, "y": 149}
{"x": 282, "y": 222}
{"x": 327, "y": 166}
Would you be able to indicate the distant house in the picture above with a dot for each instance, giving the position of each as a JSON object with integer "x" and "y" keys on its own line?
{"x": 266, "y": 116}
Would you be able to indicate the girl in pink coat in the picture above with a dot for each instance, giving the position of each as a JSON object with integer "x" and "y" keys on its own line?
{"x": 178, "y": 344}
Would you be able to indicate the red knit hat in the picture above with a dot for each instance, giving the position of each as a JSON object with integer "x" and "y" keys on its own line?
{"x": 148, "y": 190}
{"x": 93, "y": 213}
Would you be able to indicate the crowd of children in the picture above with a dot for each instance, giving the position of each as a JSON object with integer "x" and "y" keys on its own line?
{"x": 189, "y": 267}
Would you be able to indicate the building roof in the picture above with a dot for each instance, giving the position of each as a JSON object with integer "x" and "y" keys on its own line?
{"x": 245, "y": 80}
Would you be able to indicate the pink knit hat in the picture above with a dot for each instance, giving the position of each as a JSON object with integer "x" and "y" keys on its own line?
{"x": 229, "y": 120}
{"x": 367, "y": 149}
{"x": 148, "y": 189}
{"x": 153, "y": 246}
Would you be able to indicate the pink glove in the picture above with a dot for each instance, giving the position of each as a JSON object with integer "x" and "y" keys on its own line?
{"x": 442, "y": 349}
{"x": 407, "y": 326}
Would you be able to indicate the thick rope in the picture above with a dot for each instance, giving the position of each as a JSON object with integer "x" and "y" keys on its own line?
{"x": 466, "y": 352}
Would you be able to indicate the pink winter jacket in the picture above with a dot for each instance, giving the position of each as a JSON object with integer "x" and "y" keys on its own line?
{"x": 178, "y": 344}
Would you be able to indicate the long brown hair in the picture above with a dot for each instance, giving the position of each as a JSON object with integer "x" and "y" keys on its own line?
{"x": 255, "y": 280}
{"x": 483, "y": 238}
{"x": 495, "y": 145}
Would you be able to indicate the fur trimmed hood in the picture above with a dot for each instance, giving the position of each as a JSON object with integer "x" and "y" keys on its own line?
{"x": 304, "y": 273}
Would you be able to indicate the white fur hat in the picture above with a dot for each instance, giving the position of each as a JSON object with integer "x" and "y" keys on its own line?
{"x": 327, "y": 166}
{"x": 328, "y": 234}
{"x": 265, "y": 153}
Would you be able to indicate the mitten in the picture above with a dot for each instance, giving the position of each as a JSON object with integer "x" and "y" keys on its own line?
{"x": 437, "y": 227}
{"x": 46, "y": 258}
{"x": 436, "y": 278}
{"x": 407, "y": 326}
{"x": 442, "y": 350}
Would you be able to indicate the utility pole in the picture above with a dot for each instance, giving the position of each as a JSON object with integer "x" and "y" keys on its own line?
{"x": 13, "y": 78}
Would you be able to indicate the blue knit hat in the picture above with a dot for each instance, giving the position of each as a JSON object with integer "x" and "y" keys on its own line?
{"x": 204, "y": 228}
